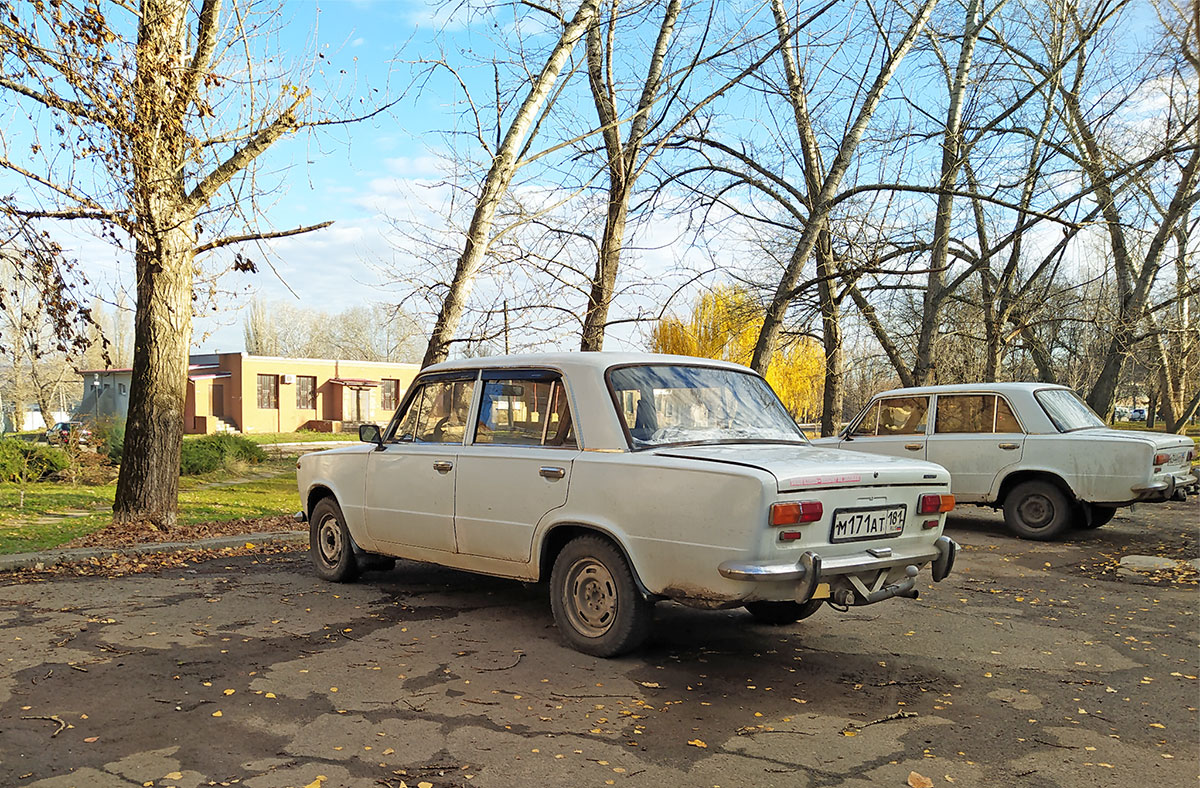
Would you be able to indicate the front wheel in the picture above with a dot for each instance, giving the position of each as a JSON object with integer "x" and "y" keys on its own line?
{"x": 1037, "y": 510}
{"x": 596, "y": 603}
{"x": 779, "y": 614}
{"x": 329, "y": 543}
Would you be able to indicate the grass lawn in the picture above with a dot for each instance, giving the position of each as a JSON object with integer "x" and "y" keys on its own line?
{"x": 299, "y": 437}
{"x": 223, "y": 495}
{"x": 1192, "y": 430}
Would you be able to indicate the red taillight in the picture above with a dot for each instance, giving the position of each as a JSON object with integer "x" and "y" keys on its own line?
{"x": 1161, "y": 459}
{"x": 795, "y": 512}
{"x": 934, "y": 504}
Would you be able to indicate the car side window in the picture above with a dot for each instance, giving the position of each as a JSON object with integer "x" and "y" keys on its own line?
{"x": 522, "y": 412}
{"x": 902, "y": 415}
{"x": 437, "y": 413}
{"x": 1006, "y": 420}
{"x": 866, "y": 425}
{"x": 965, "y": 413}
{"x": 974, "y": 413}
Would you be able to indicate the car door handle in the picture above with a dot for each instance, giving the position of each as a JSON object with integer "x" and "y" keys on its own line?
{"x": 551, "y": 472}
{"x": 914, "y": 446}
{"x": 1010, "y": 446}
{"x": 443, "y": 466}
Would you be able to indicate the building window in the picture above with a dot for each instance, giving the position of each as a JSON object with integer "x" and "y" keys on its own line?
{"x": 306, "y": 392}
{"x": 388, "y": 391}
{"x": 268, "y": 392}
{"x": 121, "y": 388}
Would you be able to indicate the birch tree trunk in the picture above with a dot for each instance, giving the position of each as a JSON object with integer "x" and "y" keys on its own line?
{"x": 623, "y": 160}
{"x": 952, "y": 154}
{"x": 768, "y": 338}
{"x": 495, "y": 185}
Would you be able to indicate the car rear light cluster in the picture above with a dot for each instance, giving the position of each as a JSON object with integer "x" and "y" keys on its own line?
{"x": 934, "y": 504}
{"x": 795, "y": 513}
{"x": 1161, "y": 459}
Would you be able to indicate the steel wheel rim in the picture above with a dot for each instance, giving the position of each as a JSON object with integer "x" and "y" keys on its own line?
{"x": 329, "y": 541}
{"x": 590, "y": 597}
{"x": 1036, "y": 511}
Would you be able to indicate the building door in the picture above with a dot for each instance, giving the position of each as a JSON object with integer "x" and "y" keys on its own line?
{"x": 218, "y": 400}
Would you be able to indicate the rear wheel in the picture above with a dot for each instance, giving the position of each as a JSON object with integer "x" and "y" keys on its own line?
{"x": 1038, "y": 510}
{"x": 778, "y": 614}
{"x": 597, "y": 605}
{"x": 1100, "y": 515}
{"x": 329, "y": 543}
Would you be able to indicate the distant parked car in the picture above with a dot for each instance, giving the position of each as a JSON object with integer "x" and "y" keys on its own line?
{"x": 1137, "y": 414}
{"x": 68, "y": 433}
{"x": 1036, "y": 450}
{"x": 626, "y": 479}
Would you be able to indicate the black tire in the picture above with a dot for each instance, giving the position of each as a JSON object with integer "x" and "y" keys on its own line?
{"x": 1100, "y": 515}
{"x": 778, "y": 614}
{"x": 1038, "y": 510}
{"x": 329, "y": 543}
{"x": 596, "y": 603}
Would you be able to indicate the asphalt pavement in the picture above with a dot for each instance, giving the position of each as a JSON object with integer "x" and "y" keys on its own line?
{"x": 1033, "y": 665}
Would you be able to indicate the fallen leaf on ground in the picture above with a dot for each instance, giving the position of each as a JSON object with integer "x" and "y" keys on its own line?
{"x": 919, "y": 781}
{"x": 91, "y": 739}
{"x": 698, "y": 743}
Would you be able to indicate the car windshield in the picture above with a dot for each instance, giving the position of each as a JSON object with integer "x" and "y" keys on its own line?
{"x": 669, "y": 405}
{"x": 1067, "y": 410}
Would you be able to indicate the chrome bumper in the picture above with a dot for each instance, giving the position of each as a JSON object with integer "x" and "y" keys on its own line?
{"x": 1172, "y": 486}
{"x": 810, "y": 569}
{"x": 300, "y": 517}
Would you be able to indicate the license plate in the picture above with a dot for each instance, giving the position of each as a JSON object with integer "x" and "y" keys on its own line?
{"x": 850, "y": 525}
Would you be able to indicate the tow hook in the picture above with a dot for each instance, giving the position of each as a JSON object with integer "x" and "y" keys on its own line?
{"x": 904, "y": 588}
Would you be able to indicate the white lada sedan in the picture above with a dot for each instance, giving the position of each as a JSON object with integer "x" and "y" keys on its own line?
{"x": 626, "y": 479}
{"x": 1034, "y": 449}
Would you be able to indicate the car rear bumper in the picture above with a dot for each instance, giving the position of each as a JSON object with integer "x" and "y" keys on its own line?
{"x": 811, "y": 569}
{"x": 1166, "y": 486}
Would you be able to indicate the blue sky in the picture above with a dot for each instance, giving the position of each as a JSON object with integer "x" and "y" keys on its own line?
{"x": 389, "y": 166}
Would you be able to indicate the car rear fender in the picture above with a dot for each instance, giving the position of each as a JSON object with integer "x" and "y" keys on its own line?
{"x": 556, "y": 537}
{"x": 1029, "y": 474}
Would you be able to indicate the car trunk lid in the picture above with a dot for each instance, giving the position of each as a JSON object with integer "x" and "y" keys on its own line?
{"x": 802, "y": 467}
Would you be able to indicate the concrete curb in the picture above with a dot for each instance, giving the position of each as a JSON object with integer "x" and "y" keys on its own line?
{"x": 49, "y": 558}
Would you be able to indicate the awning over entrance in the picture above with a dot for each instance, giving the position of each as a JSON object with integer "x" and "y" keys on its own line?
{"x": 355, "y": 383}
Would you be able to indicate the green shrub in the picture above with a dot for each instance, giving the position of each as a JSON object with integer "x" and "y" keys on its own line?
{"x": 30, "y": 462}
{"x": 207, "y": 454}
{"x": 109, "y": 438}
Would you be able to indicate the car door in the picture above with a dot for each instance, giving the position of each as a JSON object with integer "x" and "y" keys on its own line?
{"x": 410, "y": 481}
{"x": 517, "y": 465}
{"x": 894, "y": 426}
{"x": 975, "y": 437}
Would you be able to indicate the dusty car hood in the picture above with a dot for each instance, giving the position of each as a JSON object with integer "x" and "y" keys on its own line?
{"x": 807, "y": 467}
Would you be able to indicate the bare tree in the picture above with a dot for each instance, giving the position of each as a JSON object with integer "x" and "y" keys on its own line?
{"x": 133, "y": 103}
{"x": 768, "y": 338}
{"x": 505, "y": 161}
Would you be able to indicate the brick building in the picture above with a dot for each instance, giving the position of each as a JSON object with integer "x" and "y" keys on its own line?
{"x": 244, "y": 393}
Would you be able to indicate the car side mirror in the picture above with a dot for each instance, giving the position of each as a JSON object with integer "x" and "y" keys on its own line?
{"x": 369, "y": 433}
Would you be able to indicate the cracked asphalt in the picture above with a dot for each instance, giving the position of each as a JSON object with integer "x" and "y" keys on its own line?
{"x": 1033, "y": 665}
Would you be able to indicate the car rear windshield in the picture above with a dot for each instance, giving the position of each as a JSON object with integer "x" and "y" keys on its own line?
{"x": 1067, "y": 410}
{"x": 663, "y": 405}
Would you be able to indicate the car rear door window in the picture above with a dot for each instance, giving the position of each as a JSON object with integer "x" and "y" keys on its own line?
{"x": 974, "y": 413}
{"x": 525, "y": 412}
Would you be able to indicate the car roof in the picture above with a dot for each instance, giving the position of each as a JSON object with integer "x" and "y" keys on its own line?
{"x": 963, "y": 388}
{"x": 578, "y": 361}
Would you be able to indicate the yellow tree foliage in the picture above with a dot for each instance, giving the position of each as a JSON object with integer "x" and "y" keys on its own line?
{"x": 724, "y": 324}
